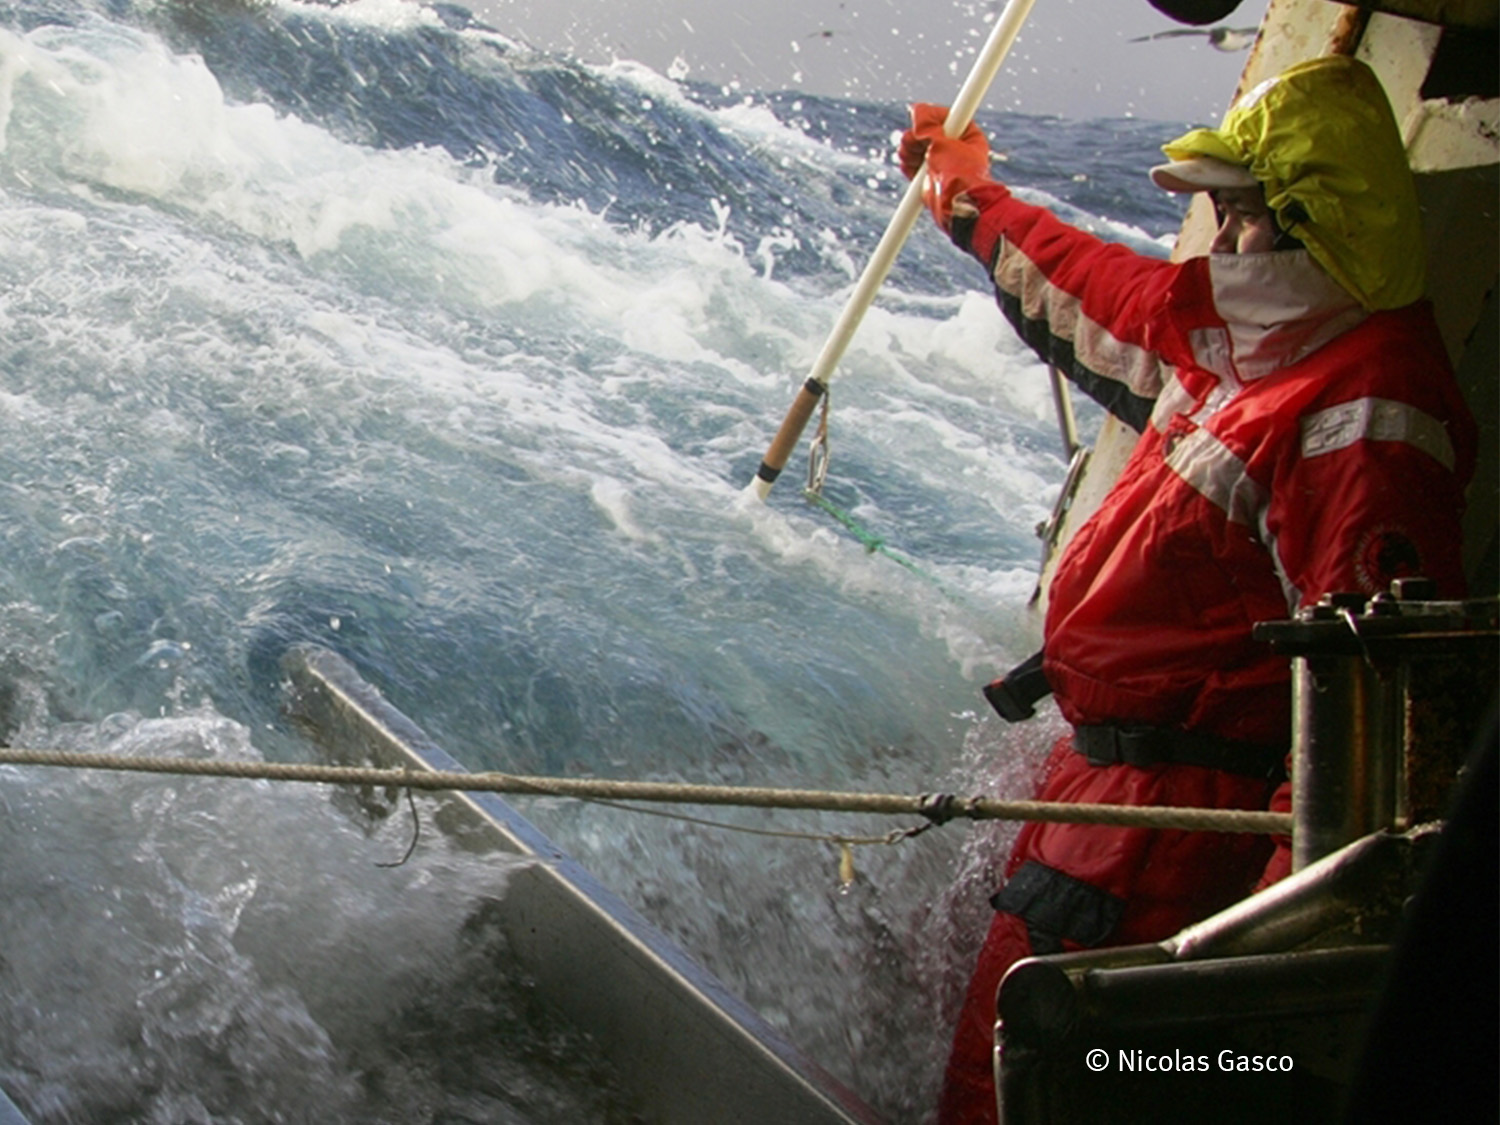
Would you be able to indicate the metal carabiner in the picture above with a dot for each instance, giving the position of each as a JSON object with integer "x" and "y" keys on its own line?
{"x": 818, "y": 454}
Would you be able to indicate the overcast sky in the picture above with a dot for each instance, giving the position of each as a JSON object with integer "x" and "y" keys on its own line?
{"x": 1073, "y": 58}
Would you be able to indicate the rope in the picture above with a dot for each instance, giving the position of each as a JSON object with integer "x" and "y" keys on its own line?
{"x": 895, "y": 836}
{"x": 936, "y": 808}
{"x": 872, "y": 543}
{"x": 845, "y": 843}
{"x": 818, "y": 458}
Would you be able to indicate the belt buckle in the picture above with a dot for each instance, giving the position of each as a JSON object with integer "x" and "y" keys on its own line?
{"x": 1100, "y": 744}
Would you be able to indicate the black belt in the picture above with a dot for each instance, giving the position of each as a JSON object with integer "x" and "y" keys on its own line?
{"x": 1111, "y": 744}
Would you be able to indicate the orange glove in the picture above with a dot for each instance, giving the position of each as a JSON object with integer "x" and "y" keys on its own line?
{"x": 954, "y": 164}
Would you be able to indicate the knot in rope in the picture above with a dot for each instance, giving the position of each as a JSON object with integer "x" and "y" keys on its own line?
{"x": 940, "y": 808}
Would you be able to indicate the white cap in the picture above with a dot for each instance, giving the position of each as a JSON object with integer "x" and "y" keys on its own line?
{"x": 1201, "y": 173}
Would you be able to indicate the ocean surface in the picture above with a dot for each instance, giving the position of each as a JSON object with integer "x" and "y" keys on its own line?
{"x": 369, "y": 326}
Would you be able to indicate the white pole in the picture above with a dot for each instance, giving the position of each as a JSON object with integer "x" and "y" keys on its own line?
{"x": 960, "y": 114}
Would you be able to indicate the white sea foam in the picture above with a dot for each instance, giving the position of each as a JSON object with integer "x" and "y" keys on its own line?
{"x": 262, "y": 384}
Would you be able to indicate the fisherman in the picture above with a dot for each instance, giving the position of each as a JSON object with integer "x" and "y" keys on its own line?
{"x": 1301, "y": 433}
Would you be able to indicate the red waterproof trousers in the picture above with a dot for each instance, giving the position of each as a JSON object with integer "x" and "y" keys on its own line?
{"x": 1142, "y": 884}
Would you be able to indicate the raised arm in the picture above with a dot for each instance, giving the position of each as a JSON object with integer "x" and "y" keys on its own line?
{"x": 1092, "y": 308}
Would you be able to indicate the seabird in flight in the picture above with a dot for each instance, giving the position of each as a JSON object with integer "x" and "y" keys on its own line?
{"x": 1219, "y": 38}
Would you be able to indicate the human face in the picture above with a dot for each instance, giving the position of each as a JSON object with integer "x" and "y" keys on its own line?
{"x": 1246, "y": 225}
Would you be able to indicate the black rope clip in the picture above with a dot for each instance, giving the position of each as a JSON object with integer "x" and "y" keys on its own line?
{"x": 940, "y": 808}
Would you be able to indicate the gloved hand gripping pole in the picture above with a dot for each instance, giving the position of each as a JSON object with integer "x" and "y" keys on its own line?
{"x": 986, "y": 66}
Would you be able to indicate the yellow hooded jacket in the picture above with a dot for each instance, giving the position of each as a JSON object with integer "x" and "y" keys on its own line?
{"x": 1322, "y": 140}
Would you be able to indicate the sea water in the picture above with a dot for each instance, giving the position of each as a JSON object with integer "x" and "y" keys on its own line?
{"x": 369, "y": 326}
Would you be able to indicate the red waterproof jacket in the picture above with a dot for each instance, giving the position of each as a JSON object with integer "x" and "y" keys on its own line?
{"x": 1293, "y": 444}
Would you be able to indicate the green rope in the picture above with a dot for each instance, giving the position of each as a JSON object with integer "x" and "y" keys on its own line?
{"x": 817, "y": 473}
{"x": 872, "y": 543}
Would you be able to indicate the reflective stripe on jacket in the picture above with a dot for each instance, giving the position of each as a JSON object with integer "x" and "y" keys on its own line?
{"x": 1293, "y": 444}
